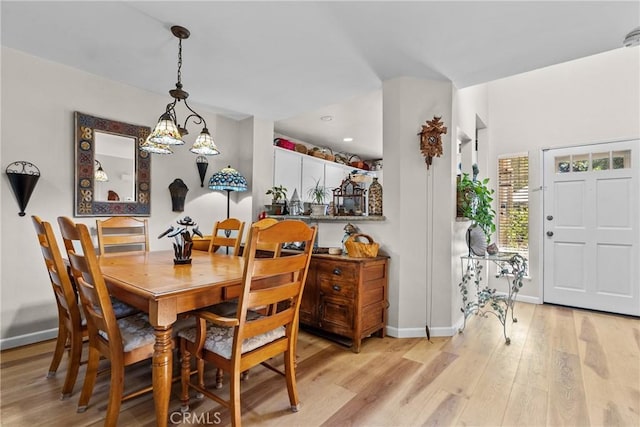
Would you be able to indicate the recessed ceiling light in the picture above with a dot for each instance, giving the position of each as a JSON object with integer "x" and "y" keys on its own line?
{"x": 326, "y": 118}
{"x": 348, "y": 139}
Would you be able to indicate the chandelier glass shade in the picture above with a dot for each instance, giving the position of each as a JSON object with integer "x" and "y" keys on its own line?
{"x": 168, "y": 132}
{"x": 100, "y": 174}
{"x": 204, "y": 144}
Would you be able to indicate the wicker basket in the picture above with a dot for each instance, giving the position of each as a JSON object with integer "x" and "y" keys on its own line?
{"x": 357, "y": 249}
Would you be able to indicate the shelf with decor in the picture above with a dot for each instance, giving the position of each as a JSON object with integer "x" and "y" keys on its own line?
{"x": 295, "y": 170}
{"x": 331, "y": 218}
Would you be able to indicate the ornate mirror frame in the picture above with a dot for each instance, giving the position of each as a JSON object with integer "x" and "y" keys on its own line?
{"x": 85, "y": 203}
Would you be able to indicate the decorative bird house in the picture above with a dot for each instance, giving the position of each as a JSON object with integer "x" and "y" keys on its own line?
{"x": 349, "y": 198}
{"x": 431, "y": 139}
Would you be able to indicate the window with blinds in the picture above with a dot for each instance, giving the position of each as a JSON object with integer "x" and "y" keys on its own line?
{"x": 513, "y": 204}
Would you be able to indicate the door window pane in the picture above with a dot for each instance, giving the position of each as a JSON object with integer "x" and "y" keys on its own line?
{"x": 600, "y": 161}
{"x": 621, "y": 159}
{"x": 562, "y": 164}
{"x": 580, "y": 163}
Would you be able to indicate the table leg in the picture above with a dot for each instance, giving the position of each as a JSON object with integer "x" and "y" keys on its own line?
{"x": 162, "y": 373}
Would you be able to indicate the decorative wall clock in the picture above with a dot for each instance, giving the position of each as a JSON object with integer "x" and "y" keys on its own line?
{"x": 431, "y": 139}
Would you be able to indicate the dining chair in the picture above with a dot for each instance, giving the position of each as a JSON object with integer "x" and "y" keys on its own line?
{"x": 72, "y": 329}
{"x": 273, "y": 248}
{"x": 228, "y": 308}
{"x": 121, "y": 309}
{"x": 122, "y": 234}
{"x": 123, "y": 341}
{"x": 249, "y": 338}
{"x": 228, "y": 227}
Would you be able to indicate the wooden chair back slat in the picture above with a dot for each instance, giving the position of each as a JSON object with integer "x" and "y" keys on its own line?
{"x": 58, "y": 274}
{"x": 122, "y": 234}
{"x": 92, "y": 289}
{"x": 232, "y": 226}
{"x": 274, "y": 248}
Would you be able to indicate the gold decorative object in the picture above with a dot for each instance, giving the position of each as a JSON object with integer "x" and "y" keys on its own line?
{"x": 431, "y": 139}
{"x": 375, "y": 198}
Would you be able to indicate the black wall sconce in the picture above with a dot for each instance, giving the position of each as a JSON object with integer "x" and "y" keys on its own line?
{"x": 23, "y": 177}
{"x": 203, "y": 164}
{"x": 178, "y": 190}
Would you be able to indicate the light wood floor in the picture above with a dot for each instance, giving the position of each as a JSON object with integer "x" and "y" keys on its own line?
{"x": 564, "y": 367}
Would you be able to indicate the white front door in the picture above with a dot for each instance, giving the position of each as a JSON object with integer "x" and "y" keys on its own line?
{"x": 592, "y": 227}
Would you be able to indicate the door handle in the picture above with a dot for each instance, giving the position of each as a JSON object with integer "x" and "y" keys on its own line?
{"x": 549, "y": 233}
{"x": 549, "y": 217}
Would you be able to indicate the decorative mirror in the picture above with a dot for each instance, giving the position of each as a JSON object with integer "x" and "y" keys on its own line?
{"x": 113, "y": 176}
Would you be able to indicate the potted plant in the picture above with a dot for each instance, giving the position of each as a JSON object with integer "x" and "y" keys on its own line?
{"x": 474, "y": 202}
{"x": 318, "y": 194}
{"x": 278, "y": 198}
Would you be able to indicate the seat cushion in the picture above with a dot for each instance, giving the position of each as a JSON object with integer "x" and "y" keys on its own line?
{"x": 136, "y": 331}
{"x": 121, "y": 309}
{"x": 229, "y": 309}
{"x": 220, "y": 340}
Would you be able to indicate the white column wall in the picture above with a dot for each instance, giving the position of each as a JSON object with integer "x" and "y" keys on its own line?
{"x": 418, "y": 204}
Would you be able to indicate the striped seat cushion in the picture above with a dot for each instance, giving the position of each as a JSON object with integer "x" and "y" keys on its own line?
{"x": 136, "y": 331}
{"x": 220, "y": 340}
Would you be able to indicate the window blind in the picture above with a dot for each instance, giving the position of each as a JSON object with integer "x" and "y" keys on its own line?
{"x": 513, "y": 204}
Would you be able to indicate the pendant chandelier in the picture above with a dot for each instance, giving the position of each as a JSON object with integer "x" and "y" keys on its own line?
{"x": 168, "y": 132}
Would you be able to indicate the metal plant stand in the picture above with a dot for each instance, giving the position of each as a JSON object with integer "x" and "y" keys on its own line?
{"x": 510, "y": 266}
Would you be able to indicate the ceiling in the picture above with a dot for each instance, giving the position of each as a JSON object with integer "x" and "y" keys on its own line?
{"x": 294, "y": 62}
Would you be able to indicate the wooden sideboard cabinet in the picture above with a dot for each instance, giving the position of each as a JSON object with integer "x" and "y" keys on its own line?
{"x": 346, "y": 296}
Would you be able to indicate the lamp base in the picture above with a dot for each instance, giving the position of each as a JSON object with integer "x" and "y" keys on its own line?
{"x": 181, "y": 261}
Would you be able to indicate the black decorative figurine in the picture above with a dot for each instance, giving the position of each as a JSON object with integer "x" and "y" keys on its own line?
{"x": 183, "y": 240}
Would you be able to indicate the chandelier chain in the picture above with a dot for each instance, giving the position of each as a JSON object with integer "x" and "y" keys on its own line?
{"x": 180, "y": 62}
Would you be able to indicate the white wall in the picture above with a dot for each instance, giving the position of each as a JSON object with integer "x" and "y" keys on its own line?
{"x": 38, "y": 101}
{"x": 590, "y": 100}
{"x": 418, "y": 204}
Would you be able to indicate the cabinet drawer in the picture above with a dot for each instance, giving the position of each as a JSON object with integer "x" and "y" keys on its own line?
{"x": 337, "y": 288}
{"x": 338, "y": 270}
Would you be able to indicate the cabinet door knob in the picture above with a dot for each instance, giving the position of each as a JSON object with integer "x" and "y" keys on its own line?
{"x": 336, "y": 287}
{"x": 337, "y": 271}
{"x": 549, "y": 233}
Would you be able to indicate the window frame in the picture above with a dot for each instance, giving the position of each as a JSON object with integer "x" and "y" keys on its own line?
{"x": 499, "y": 201}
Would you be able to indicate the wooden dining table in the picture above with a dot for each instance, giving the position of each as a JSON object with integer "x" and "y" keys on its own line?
{"x": 151, "y": 282}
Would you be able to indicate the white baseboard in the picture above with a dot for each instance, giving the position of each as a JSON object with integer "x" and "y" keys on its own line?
{"x": 446, "y": 331}
{"x": 20, "y": 340}
{"x": 528, "y": 299}
{"x": 420, "y": 332}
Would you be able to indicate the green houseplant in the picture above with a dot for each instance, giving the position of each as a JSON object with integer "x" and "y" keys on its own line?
{"x": 474, "y": 203}
{"x": 318, "y": 194}
{"x": 278, "y": 195}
